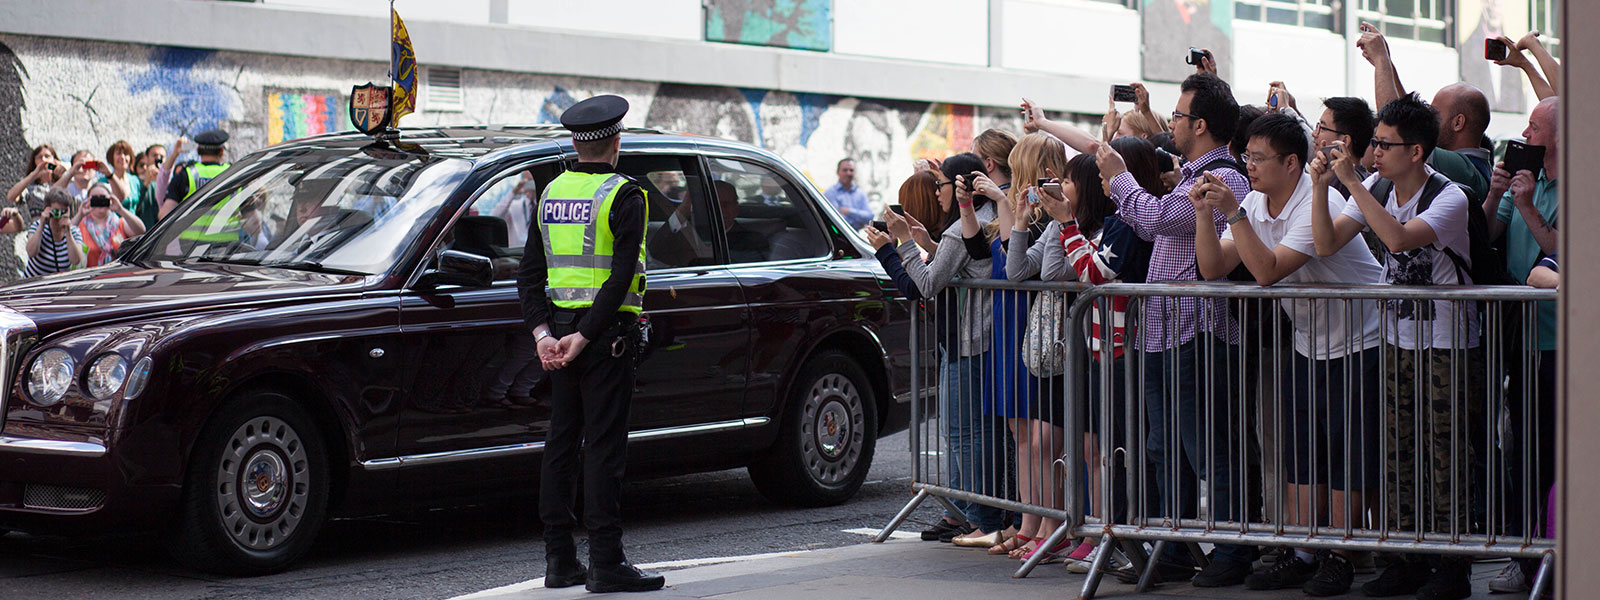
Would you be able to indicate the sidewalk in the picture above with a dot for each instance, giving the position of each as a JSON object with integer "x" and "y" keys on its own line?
{"x": 907, "y": 569}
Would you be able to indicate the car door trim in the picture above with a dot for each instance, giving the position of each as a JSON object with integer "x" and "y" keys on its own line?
{"x": 452, "y": 456}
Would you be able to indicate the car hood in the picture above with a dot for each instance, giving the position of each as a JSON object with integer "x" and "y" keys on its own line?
{"x": 124, "y": 290}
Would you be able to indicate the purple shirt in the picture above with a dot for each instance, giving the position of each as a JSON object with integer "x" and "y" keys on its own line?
{"x": 1168, "y": 223}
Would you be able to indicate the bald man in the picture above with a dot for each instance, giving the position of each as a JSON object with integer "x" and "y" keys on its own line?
{"x": 1463, "y": 117}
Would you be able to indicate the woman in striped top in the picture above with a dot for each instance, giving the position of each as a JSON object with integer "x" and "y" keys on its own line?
{"x": 54, "y": 244}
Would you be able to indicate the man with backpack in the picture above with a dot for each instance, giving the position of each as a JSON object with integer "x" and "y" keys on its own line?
{"x": 1174, "y": 351}
{"x": 1430, "y": 234}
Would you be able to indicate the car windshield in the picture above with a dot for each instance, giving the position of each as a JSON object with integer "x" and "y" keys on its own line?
{"x": 314, "y": 209}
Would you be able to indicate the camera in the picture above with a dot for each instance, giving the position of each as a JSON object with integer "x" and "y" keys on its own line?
{"x": 1495, "y": 50}
{"x": 1123, "y": 93}
{"x": 1523, "y": 157}
{"x": 1196, "y": 57}
{"x": 91, "y": 165}
{"x": 972, "y": 179}
{"x": 57, "y": 213}
{"x": 99, "y": 201}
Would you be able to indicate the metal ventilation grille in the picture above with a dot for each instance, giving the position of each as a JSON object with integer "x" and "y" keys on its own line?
{"x": 55, "y": 497}
{"x": 443, "y": 93}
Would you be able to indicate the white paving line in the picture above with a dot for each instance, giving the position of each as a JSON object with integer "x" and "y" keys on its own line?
{"x": 533, "y": 584}
{"x": 897, "y": 535}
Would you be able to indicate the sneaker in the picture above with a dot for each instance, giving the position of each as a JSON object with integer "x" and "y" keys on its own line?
{"x": 1510, "y": 580}
{"x": 1400, "y": 578}
{"x": 1365, "y": 563}
{"x": 1222, "y": 573}
{"x": 1114, "y": 562}
{"x": 1285, "y": 573}
{"x": 1334, "y": 575}
{"x": 1451, "y": 581}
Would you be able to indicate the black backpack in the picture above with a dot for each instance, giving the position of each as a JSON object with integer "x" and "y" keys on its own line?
{"x": 1488, "y": 267}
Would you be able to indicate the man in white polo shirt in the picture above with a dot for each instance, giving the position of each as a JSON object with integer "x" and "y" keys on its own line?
{"x": 1335, "y": 368}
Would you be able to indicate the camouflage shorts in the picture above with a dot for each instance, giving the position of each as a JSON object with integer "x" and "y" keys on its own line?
{"x": 1433, "y": 403}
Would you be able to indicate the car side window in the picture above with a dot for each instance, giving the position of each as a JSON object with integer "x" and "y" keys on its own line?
{"x": 496, "y": 223}
{"x": 764, "y": 216}
{"x": 679, "y": 230}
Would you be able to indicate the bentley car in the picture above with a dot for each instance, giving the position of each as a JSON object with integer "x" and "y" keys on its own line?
{"x": 331, "y": 328}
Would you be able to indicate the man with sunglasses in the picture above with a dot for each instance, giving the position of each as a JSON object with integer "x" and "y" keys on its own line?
{"x": 1428, "y": 341}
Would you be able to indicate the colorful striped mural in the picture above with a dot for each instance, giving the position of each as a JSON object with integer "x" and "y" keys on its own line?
{"x": 297, "y": 114}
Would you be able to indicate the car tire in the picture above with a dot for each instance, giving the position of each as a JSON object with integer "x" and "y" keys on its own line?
{"x": 256, "y": 493}
{"x": 826, "y": 438}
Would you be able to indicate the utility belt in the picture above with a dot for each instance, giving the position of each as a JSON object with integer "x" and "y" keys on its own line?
{"x": 624, "y": 335}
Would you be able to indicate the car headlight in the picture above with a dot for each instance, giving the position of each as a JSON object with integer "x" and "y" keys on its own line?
{"x": 137, "y": 380}
{"x": 106, "y": 375}
{"x": 50, "y": 376}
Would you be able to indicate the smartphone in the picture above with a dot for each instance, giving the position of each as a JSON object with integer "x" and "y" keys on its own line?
{"x": 1196, "y": 57}
{"x": 897, "y": 209}
{"x": 1053, "y": 187}
{"x": 1523, "y": 157}
{"x": 1495, "y": 50}
{"x": 880, "y": 226}
{"x": 1033, "y": 195}
{"x": 1327, "y": 153}
{"x": 1123, "y": 93}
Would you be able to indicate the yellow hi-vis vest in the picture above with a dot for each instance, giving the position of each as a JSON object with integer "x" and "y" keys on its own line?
{"x": 574, "y": 218}
{"x": 210, "y": 226}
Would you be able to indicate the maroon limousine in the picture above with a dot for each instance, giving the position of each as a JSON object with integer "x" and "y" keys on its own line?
{"x": 332, "y": 328}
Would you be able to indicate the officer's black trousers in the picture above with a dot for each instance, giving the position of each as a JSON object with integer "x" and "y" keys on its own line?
{"x": 589, "y": 405}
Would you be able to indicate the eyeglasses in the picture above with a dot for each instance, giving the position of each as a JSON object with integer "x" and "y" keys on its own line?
{"x": 1251, "y": 159}
{"x": 1177, "y": 114}
{"x": 1321, "y": 127}
{"x": 1386, "y": 146}
{"x": 944, "y": 183}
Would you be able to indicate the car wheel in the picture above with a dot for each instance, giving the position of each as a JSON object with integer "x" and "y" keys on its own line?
{"x": 828, "y": 433}
{"x": 257, "y": 488}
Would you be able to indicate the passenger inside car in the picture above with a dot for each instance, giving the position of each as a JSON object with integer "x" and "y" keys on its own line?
{"x": 676, "y": 241}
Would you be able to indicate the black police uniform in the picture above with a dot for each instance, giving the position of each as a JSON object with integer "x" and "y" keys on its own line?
{"x": 591, "y": 395}
{"x": 178, "y": 186}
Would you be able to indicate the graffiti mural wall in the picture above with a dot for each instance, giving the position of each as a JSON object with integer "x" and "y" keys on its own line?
{"x": 86, "y": 95}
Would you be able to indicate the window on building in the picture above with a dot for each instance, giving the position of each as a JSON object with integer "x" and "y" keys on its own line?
{"x": 1320, "y": 14}
{"x": 1421, "y": 20}
{"x": 1544, "y": 15}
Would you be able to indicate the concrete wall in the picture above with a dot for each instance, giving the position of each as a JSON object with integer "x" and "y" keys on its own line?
{"x": 77, "y": 94}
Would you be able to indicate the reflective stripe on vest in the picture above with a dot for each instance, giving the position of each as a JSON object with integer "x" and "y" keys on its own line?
{"x": 209, "y": 227}
{"x": 574, "y": 217}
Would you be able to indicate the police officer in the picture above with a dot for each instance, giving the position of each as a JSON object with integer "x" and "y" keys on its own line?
{"x": 587, "y": 246}
{"x": 189, "y": 178}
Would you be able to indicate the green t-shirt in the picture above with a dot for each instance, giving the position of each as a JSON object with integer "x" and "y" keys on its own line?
{"x": 1461, "y": 170}
{"x": 1522, "y": 250}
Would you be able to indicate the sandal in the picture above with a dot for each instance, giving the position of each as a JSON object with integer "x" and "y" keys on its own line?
{"x": 1053, "y": 554}
{"x": 1010, "y": 545}
{"x": 1024, "y": 549}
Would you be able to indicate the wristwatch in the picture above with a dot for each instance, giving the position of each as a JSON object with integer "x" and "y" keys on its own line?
{"x": 541, "y": 336}
{"x": 1238, "y": 216}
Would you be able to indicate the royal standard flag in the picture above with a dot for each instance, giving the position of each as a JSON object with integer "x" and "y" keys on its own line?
{"x": 402, "y": 69}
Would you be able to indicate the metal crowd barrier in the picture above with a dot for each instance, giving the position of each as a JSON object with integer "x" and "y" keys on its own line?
{"x": 1453, "y": 458}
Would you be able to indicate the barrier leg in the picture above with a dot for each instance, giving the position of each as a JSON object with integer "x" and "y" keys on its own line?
{"x": 950, "y": 509}
{"x": 1542, "y": 580}
{"x": 1055, "y": 538}
{"x": 1150, "y": 566}
{"x": 1108, "y": 545}
{"x": 899, "y": 518}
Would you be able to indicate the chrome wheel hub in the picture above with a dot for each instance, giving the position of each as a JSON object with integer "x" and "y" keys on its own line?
{"x": 833, "y": 422}
{"x": 262, "y": 483}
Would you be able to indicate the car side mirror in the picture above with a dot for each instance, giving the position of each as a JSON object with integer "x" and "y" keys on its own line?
{"x": 459, "y": 268}
{"x": 126, "y": 245}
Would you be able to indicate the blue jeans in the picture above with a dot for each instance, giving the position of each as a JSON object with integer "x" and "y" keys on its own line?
{"x": 1178, "y": 382}
{"x": 976, "y": 449}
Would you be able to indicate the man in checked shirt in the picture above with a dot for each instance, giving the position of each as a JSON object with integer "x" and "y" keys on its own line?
{"x": 1186, "y": 374}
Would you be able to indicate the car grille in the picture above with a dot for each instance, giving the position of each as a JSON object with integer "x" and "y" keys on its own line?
{"x": 17, "y": 332}
{"x": 56, "y": 497}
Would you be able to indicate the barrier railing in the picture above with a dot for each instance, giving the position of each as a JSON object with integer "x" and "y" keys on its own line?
{"x": 1404, "y": 419}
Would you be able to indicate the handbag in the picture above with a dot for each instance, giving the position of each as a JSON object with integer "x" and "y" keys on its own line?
{"x": 1042, "y": 350}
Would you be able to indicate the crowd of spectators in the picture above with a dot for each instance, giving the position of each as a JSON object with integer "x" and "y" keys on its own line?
{"x": 1408, "y": 194}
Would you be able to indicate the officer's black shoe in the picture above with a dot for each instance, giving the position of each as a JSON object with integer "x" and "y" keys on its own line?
{"x": 623, "y": 577}
{"x": 563, "y": 570}
{"x": 1401, "y": 578}
{"x": 1288, "y": 572}
{"x": 932, "y": 534}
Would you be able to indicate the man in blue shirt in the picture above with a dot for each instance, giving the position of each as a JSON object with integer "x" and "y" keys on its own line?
{"x": 850, "y": 199}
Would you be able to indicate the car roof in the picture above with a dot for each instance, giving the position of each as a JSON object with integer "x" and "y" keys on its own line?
{"x": 475, "y": 141}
